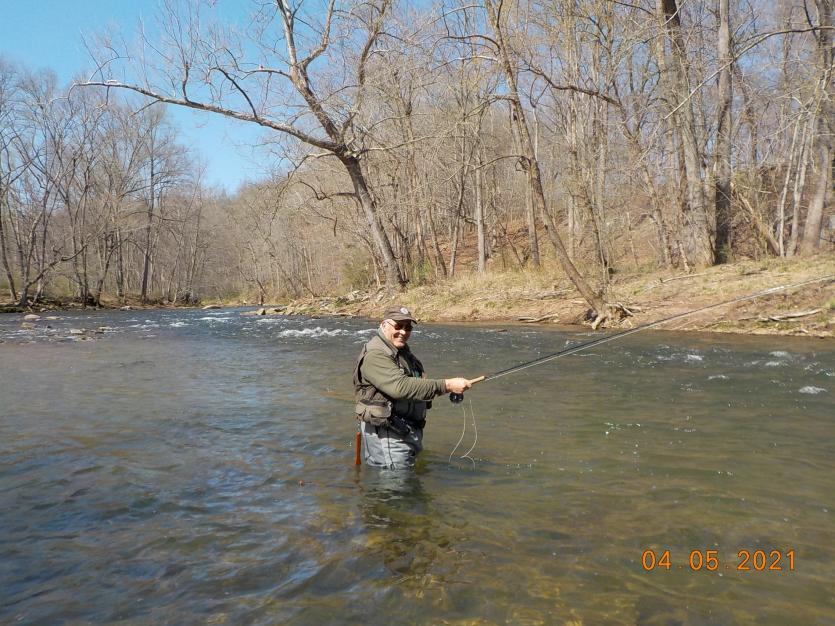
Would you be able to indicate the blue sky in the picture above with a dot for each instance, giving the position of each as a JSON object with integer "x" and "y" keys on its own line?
{"x": 47, "y": 34}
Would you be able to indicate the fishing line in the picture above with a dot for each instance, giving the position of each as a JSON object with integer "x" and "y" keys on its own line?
{"x": 466, "y": 455}
{"x": 596, "y": 342}
{"x": 463, "y": 432}
{"x": 458, "y": 398}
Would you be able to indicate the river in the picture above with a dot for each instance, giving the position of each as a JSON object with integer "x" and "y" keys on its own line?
{"x": 195, "y": 467}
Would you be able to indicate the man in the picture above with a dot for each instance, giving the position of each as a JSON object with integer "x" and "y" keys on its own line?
{"x": 392, "y": 395}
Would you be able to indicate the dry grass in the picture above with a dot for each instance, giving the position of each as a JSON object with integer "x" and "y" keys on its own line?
{"x": 508, "y": 296}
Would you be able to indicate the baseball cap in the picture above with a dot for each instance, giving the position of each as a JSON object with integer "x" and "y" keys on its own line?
{"x": 399, "y": 314}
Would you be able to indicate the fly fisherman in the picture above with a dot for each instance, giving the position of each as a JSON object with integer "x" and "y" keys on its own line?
{"x": 392, "y": 395}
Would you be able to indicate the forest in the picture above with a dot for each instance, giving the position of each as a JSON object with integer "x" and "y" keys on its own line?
{"x": 415, "y": 143}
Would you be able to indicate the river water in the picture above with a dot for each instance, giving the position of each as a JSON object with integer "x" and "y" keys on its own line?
{"x": 195, "y": 467}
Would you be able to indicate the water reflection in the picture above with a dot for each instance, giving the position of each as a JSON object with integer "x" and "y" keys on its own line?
{"x": 417, "y": 541}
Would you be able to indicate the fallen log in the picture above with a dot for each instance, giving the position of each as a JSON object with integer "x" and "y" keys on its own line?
{"x": 780, "y": 317}
{"x": 534, "y": 320}
{"x": 794, "y": 315}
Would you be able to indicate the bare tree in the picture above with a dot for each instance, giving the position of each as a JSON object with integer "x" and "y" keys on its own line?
{"x": 208, "y": 71}
{"x": 529, "y": 161}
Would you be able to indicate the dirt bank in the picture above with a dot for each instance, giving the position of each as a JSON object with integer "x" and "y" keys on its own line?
{"x": 539, "y": 297}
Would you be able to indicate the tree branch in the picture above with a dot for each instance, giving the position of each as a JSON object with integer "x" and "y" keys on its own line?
{"x": 307, "y": 138}
{"x": 589, "y": 92}
{"x": 323, "y": 44}
{"x": 737, "y": 56}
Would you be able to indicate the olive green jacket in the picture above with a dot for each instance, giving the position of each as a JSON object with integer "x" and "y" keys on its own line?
{"x": 388, "y": 381}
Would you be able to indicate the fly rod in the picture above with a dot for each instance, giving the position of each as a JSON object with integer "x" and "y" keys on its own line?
{"x": 459, "y": 397}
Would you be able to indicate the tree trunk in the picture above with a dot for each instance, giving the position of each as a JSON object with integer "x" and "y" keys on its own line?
{"x": 694, "y": 217}
{"x": 394, "y": 275}
{"x": 453, "y": 252}
{"x": 749, "y": 118}
{"x": 781, "y": 207}
{"x": 436, "y": 248}
{"x": 109, "y": 249}
{"x": 4, "y": 257}
{"x": 530, "y": 219}
{"x": 479, "y": 214}
{"x": 191, "y": 276}
{"x": 797, "y": 191}
{"x": 120, "y": 266}
{"x": 601, "y": 144}
{"x": 814, "y": 217}
{"x": 459, "y": 207}
{"x": 723, "y": 138}
{"x": 146, "y": 265}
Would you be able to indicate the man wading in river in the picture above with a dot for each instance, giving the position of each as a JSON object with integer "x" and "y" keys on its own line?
{"x": 392, "y": 395}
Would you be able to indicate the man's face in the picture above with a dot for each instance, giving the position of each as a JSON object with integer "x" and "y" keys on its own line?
{"x": 397, "y": 333}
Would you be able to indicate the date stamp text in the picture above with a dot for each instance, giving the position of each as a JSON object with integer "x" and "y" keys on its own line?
{"x": 711, "y": 561}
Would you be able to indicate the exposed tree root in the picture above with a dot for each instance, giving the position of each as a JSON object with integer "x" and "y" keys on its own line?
{"x": 614, "y": 312}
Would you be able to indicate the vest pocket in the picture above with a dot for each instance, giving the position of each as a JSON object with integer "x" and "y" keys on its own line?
{"x": 375, "y": 413}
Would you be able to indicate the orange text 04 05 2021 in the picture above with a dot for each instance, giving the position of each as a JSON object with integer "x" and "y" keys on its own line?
{"x": 709, "y": 560}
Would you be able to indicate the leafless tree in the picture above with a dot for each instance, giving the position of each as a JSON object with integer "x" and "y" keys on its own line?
{"x": 209, "y": 68}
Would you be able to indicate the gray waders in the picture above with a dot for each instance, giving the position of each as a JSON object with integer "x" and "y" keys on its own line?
{"x": 393, "y": 446}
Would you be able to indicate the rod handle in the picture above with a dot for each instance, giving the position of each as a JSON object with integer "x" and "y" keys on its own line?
{"x": 458, "y": 398}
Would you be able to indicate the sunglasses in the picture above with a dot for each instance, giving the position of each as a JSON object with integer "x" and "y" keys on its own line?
{"x": 400, "y": 326}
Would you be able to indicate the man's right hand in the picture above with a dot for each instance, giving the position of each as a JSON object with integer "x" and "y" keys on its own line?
{"x": 457, "y": 385}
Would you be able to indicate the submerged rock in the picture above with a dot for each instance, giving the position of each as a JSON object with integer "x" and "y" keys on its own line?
{"x": 273, "y": 310}
{"x": 31, "y": 317}
{"x": 211, "y": 306}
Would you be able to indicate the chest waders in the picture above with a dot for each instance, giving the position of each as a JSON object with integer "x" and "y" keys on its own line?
{"x": 376, "y": 408}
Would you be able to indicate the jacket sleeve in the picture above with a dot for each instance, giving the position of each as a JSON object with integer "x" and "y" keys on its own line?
{"x": 381, "y": 370}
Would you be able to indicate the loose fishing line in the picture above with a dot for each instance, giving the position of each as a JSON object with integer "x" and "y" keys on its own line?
{"x": 463, "y": 432}
{"x": 466, "y": 455}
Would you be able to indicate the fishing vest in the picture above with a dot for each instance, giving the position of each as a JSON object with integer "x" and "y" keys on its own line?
{"x": 376, "y": 408}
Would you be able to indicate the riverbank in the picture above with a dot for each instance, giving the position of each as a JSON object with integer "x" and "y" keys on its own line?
{"x": 548, "y": 298}
{"x": 106, "y": 304}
